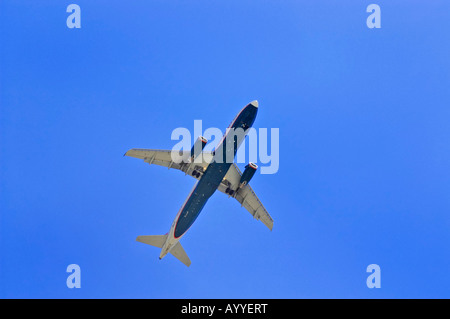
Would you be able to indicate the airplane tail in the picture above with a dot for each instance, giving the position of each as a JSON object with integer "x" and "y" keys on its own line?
{"x": 158, "y": 241}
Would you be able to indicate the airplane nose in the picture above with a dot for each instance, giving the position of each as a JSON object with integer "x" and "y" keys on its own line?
{"x": 254, "y": 103}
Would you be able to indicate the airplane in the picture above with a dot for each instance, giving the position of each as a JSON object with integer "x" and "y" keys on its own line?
{"x": 212, "y": 173}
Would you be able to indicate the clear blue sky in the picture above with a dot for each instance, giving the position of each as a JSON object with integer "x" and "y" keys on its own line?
{"x": 364, "y": 147}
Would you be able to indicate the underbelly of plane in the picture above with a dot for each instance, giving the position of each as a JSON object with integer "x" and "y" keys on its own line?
{"x": 205, "y": 188}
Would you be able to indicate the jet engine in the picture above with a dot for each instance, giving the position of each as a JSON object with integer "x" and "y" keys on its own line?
{"x": 250, "y": 170}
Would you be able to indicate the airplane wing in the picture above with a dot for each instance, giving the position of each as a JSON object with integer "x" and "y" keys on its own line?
{"x": 245, "y": 196}
{"x": 164, "y": 158}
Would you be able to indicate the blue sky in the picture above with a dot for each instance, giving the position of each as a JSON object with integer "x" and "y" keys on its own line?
{"x": 364, "y": 147}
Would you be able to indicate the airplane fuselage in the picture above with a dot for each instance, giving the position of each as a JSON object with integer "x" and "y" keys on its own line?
{"x": 212, "y": 177}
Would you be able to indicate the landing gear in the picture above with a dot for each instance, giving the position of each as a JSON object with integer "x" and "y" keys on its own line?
{"x": 195, "y": 173}
{"x": 229, "y": 191}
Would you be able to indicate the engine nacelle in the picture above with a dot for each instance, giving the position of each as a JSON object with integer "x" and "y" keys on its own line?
{"x": 198, "y": 147}
{"x": 250, "y": 170}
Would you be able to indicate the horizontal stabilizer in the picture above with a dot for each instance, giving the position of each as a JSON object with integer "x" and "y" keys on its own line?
{"x": 180, "y": 254}
{"x": 155, "y": 240}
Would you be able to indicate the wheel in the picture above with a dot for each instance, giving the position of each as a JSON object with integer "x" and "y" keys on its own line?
{"x": 227, "y": 190}
{"x": 194, "y": 173}
{"x": 231, "y": 192}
